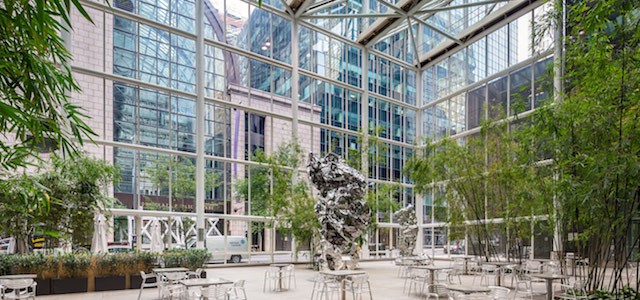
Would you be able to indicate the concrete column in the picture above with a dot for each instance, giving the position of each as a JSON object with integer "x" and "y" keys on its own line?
{"x": 200, "y": 109}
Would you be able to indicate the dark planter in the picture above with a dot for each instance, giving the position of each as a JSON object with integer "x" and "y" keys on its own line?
{"x": 43, "y": 287}
{"x": 136, "y": 281}
{"x": 109, "y": 283}
{"x": 69, "y": 285}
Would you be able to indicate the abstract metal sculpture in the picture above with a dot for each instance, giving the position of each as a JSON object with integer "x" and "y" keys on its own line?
{"x": 408, "y": 230}
{"x": 343, "y": 213}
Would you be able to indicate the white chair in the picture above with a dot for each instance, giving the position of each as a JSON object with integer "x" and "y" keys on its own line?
{"x": 576, "y": 291}
{"x": 324, "y": 287}
{"x": 219, "y": 292}
{"x": 20, "y": 288}
{"x": 437, "y": 291}
{"x": 194, "y": 274}
{"x": 272, "y": 275}
{"x": 237, "y": 291}
{"x": 145, "y": 283}
{"x": 524, "y": 285}
{"x": 176, "y": 291}
{"x": 457, "y": 271}
{"x": 358, "y": 285}
{"x": 404, "y": 265}
{"x": 415, "y": 278}
{"x": 169, "y": 284}
{"x": 510, "y": 271}
{"x": 486, "y": 271}
{"x": 289, "y": 273}
{"x": 499, "y": 293}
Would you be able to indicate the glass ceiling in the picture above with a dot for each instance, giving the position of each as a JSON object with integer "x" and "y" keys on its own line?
{"x": 427, "y": 24}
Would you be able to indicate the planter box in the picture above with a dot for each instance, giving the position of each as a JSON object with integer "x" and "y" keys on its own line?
{"x": 43, "y": 287}
{"x": 69, "y": 285}
{"x": 136, "y": 281}
{"x": 109, "y": 283}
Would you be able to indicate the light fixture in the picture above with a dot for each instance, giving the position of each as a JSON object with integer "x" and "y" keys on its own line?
{"x": 264, "y": 48}
{"x": 267, "y": 43}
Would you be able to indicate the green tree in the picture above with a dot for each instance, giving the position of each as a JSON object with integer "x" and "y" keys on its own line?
{"x": 59, "y": 203}
{"x": 77, "y": 188}
{"x": 36, "y": 82}
{"x": 592, "y": 134}
{"x": 490, "y": 176}
{"x": 178, "y": 175}
{"x": 276, "y": 189}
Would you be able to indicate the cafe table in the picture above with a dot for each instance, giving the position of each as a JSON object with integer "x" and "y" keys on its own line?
{"x": 468, "y": 289}
{"x": 432, "y": 271}
{"x": 203, "y": 282}
{"x": 341, "y": 275}
{"x": 280, "y": 274}
{"x": 549, "y": 278}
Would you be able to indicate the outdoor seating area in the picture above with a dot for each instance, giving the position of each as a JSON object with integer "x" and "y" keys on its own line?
{"x": 371, "y": 280}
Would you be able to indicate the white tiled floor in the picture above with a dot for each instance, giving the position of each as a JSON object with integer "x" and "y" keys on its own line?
{"x": 384, "y": 283}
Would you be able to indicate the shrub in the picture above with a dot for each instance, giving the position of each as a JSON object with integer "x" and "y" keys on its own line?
{"x": 195, "y": 258}
{"x": 73, "y": 265}
{"x": 109, "y": 265}
{"x": 6, "y": 264}
{"x": 189, "y": 258}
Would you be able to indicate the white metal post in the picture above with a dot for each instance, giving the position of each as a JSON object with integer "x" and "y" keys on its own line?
{"x": 419, "y": 197}
{"x": 200, "y": 109}
{"x": 364, "y": 127}
{"x": 558, "y": 73}
{"x": 295, "y": 82}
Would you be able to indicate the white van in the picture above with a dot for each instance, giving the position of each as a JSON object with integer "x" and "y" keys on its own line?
{"x": 237, "y": 248}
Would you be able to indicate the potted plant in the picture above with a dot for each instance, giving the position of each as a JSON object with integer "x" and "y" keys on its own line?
{"x": 108, "y": 272}
{"x": 196, "y": 258}
{"x": 72, "y": 273}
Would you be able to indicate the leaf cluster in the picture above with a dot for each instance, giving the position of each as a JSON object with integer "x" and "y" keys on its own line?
{"x": 36, "y": 81}
{"x": 59, "y": 202}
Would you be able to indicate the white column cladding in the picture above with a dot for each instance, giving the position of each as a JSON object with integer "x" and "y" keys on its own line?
{"x": 558, "y": 89}
{"x": 295, "y": 97}
{"x": 200, "y": 110}
{"x": 419, "y": 206}
{"x": 364, "y": 125}
{"x": 295, "y": 82}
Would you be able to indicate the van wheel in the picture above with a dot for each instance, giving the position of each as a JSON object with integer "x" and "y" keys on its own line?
{"x": 235, "y": 259}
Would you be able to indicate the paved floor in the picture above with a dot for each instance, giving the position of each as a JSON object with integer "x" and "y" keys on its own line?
{"x": 383, "y": 277}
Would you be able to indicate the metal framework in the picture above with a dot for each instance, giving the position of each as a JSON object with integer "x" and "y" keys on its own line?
{"x": 379, "y": 21}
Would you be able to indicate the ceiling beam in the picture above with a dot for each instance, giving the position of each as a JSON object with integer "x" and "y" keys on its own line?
{"x": 342, "y": 16}
{"x": 416, "y": 55}
{"x": 382, "y": 26}
{"x": 452, "y": 7}
{"x": 322, "y": 5}
{"x": 440, "y": 31}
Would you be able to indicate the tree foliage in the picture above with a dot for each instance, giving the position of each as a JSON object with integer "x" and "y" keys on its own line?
{"x": 178, "y": 176}
{"x": 276, "y": 189}
{"x": 58, "y": 202}
{"x": 592, "y": 134}
{"x": 487, "y": 177}
{"x": 36, "y": 81}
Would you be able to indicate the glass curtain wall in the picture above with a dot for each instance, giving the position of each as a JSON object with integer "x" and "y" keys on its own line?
{"x": 495, "y": 76}
{"x": 352, "y": 100}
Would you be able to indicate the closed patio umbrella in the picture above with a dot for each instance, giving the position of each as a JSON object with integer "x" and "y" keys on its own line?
{"x": 99, "y": 241}
{"x": 157, "y": 244}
